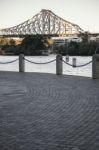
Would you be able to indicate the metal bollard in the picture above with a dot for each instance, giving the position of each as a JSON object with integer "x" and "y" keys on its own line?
{"x": 59, "y": 65}
{"x": 21, "y": 63}
{"x": 67, "y": 58}
{"x": 95, "y": 66}
{"x": 74, "y": 62}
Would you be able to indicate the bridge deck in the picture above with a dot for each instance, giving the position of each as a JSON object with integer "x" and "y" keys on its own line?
{"x": 48, "y": 112}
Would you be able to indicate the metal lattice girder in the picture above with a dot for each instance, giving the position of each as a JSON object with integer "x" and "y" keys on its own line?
{"x": 45, "y": 22}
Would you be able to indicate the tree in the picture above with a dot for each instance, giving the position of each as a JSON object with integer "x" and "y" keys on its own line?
{"x": 12, "y": 42}
{"x": 33, "y": 44}
{"x": 85, "y": 37}
{"x": 3, "y": 41}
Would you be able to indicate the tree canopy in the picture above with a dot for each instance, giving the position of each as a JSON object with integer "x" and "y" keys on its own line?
{"x": 36, "y": 44}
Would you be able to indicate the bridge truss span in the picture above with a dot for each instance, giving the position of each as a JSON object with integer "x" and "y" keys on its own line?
{"x": 45, "y": 22}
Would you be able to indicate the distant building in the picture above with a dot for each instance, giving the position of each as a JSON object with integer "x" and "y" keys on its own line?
{"x": 94, "y": 38}
{"x": 58, "y": 41}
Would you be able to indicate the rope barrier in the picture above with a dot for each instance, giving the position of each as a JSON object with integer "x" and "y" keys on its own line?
{"x": 42, "y": 63}
{"x": 84, "y": 64}
{"x": 9, "y": 61}
{"x": 37, "y": 63}
{"x": 67, "y": 63}
{"x": 78, "y": 65}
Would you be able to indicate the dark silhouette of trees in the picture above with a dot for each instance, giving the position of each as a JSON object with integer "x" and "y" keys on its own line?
{"x": 36, "y": 44}
{"x": 30, "y": 45}
{"x": 33, "y": 45}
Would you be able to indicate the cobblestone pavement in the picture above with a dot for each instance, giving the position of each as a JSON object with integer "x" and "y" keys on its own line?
{"x": 48, "y": 112}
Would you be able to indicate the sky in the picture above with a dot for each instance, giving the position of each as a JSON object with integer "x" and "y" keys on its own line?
{"x": 84, "y": 13}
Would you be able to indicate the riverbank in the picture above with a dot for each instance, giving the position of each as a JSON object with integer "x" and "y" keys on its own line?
{"x": 48, "y": 112}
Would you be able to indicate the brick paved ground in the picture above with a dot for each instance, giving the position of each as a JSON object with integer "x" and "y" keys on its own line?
{"x": 48, "y": 112}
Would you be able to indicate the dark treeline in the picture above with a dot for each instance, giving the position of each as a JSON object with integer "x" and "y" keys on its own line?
{"x": 77, "y": 49}
{"x": 35, "y": 44}
{"x": 30, "y": 45}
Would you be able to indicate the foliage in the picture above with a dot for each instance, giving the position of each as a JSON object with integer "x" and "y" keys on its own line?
{"x": 85, "y": 37}
{"x": 35, "y": 44}
{"x": 12, "y": 42}
{"x": 78, "y": 49}
{"x": 7, "y": 41}
{"x": 30, "y": 45}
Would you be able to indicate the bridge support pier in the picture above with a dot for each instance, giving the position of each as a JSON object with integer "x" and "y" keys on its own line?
{"x": 95, "y": 66}
{"x": 59, "y": 65}
{"x": 21, "y": 63}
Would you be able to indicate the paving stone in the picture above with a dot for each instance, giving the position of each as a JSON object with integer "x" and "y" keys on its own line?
{"x": 48, "y": 112}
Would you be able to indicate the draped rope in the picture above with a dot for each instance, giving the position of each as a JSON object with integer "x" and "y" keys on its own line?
{"x": 38, "y": 63}
{"x": 77, "y": 65}
{"x": 8, "y": 62}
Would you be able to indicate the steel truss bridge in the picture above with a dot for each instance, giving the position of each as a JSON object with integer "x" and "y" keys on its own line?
{"x": 45, "y": 23}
